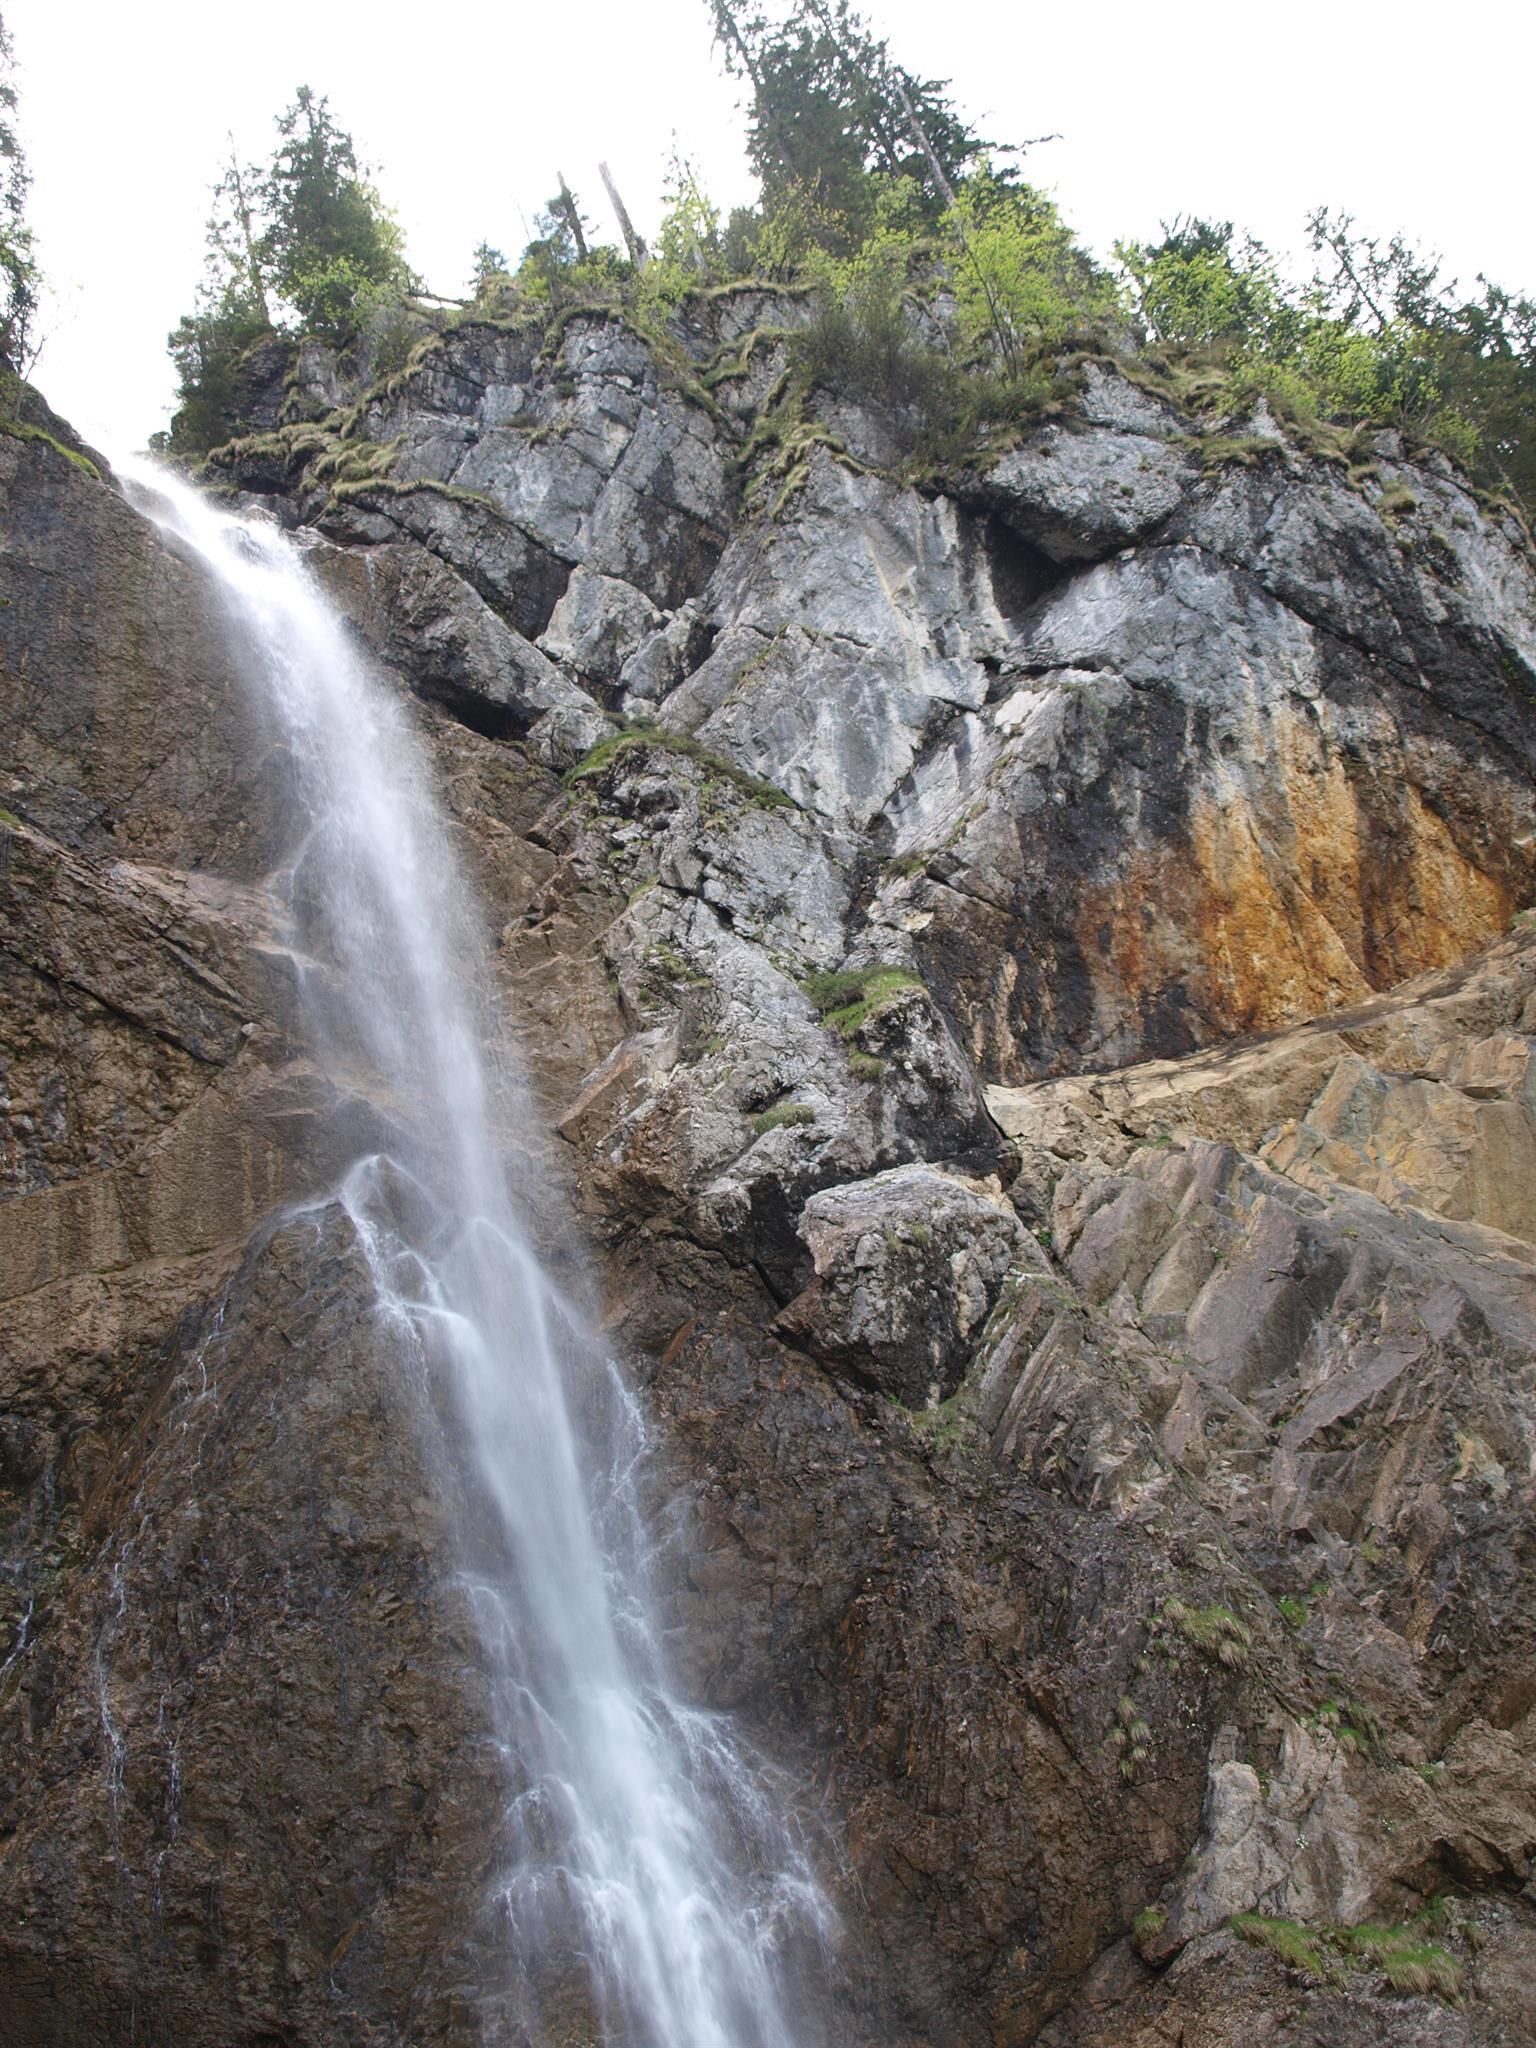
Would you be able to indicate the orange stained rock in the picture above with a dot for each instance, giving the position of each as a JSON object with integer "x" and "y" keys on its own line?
{"x": 1287, "y": 901}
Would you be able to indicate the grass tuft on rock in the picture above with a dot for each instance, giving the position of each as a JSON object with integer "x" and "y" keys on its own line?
{"x": 1298, "y": 1947}
{"x": 1214, "y": 1631}
{"x": 765, "y": 795}
{"x": 846, "y": 1001}
{"x": 1406, "y": 1960}
{"x": 786, "y": 1115}
{"x": 1410, "y": 1964}
{"x": 942, "y": 1426}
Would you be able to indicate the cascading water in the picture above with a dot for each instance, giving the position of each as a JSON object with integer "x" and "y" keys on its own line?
{"x": 635, "y": 1834}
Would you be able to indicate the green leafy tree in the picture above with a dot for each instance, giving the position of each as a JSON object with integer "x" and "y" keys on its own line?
{"x": 1377, "y": 334}
{"x": 233, "y": 312}
{"x": 1460, "y": 370}
{"x": 1201, "y": 288}
{"x": 561, "y": 267}
{"x": 488, "y": 269}
{"x": 689, "y": 249}
{"x": 1022, "y": 279}
{"x": 209, "y": 349}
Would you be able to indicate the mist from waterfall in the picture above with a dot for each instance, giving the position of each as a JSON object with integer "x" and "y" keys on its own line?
{"x": 635, "y": 1834}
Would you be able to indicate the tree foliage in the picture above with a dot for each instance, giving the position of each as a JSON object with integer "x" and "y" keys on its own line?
{"x": 1377, "y": 333}
{"x": 330, "y": 247}
{"x": 948, "y": 292}
{"x": 828, "y": 117}
{"x": 303, "y": 244}
{"x": 19, "y": 279}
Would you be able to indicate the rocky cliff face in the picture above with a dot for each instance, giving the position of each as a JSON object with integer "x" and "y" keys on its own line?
{"x": 1110, "y": 1434}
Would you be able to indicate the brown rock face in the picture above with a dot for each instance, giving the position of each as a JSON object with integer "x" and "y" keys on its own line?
{"x": 1104, "y": 1497}
{"x": 251, "y": 1762}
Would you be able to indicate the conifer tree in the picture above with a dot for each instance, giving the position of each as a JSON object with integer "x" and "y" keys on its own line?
{"x": 18, "y": 268}
{"x": 331, "y": 246}
{"x": 305, "y": 243}
{"x": 830, "y": 108}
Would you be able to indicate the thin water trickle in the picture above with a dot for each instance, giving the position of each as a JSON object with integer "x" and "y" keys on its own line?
{"x": 635, "y": 1833}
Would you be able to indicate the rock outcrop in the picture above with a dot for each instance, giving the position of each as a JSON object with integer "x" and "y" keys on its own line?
{"x": 1019, "y": 976}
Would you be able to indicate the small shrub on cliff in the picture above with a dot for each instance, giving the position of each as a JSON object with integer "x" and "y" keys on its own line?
{"x": 1353, "y": 1725}
{"x": 942, "y": 1426}
{"x": 1147, "y": 1926}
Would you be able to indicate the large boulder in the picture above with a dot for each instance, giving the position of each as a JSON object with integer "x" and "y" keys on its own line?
{"x": 908, "y": 1266}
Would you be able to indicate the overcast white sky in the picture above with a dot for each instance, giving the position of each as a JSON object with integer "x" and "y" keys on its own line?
{"x": 1411, "y": 116}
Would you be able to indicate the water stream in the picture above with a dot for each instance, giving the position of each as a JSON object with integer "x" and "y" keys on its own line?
{"x": 635, "y": 1833}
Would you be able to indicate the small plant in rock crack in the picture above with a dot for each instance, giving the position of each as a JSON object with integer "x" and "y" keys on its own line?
{"x": 786, "y": 1114}
{"x": 1131, "y": 1736}
{"x": 1295, "y": 1609}
{"x": 1147, "y": 1926}
{"x": 942, "y": 1425}
{"x": 1353, "y": 1725}
{"x": 1214, "y": 1632}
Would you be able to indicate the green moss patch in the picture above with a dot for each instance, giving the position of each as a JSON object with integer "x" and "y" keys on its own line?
{"x": 23, "y": 430}
{"x": 602, "y": 757}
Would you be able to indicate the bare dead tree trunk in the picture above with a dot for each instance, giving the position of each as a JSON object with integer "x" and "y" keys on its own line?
{"x": 245, "y": 213}
{"x": 572, "y": 217}
{"x": 1000, "y": 329}
{"x": 639, "y": 255}
{"x": 920, "y": 137}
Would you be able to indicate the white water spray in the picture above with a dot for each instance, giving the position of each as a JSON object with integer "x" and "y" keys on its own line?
{"x": 635, "y": 1836}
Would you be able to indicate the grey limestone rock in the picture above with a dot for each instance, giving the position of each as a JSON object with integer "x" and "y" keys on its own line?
{"x": 599, "y": 624}
{"x": 865, "y": 616}
{"x": 908, "y": 1266}
{"x": 514, "y": 573}
{"x": 590, "y": 459}
{"x": 1079, "y": 491}
{"x": 425, "y": 620}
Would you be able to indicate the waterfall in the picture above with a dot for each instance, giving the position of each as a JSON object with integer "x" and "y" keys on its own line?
{"x": 636, "y": 1834}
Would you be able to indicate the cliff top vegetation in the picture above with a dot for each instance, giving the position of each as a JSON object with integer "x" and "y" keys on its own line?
{"x": 947, "y": 288}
